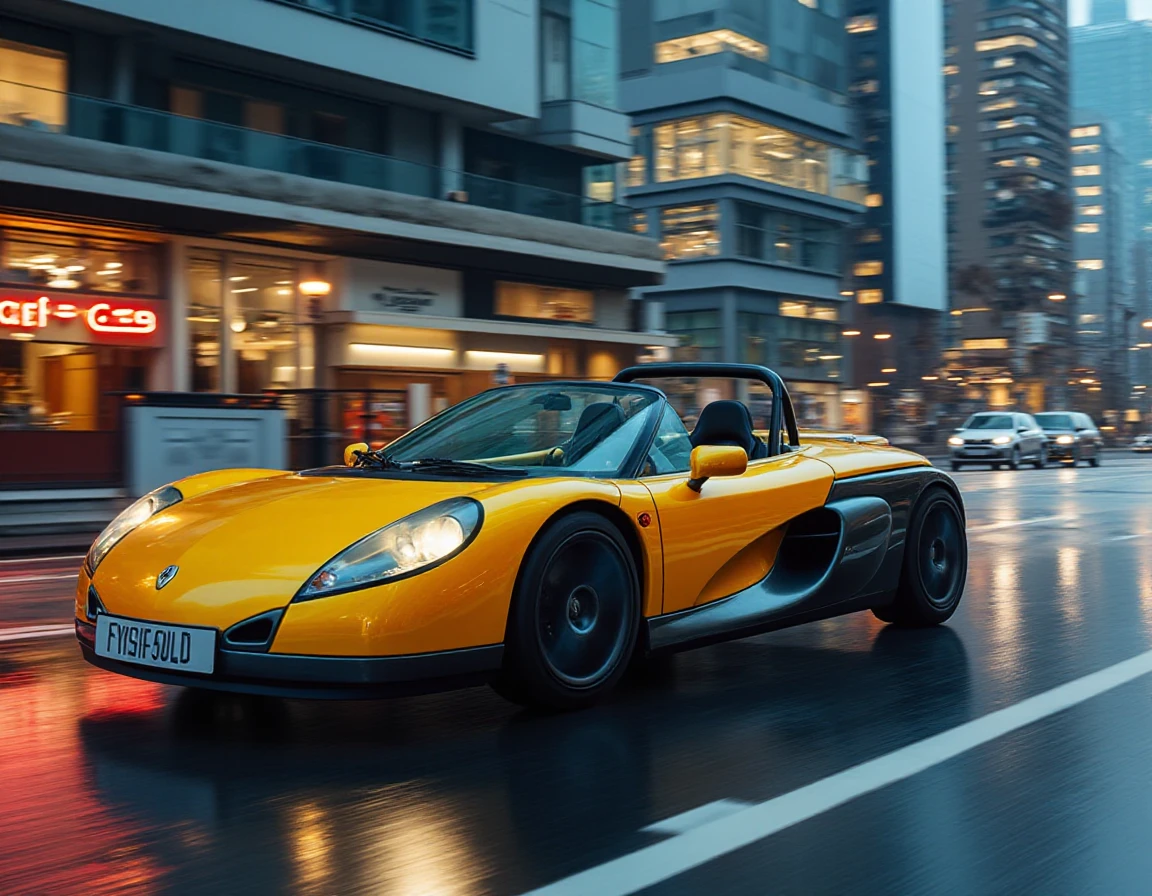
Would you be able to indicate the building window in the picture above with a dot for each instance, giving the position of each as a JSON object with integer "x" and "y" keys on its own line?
{"x": 1088, "y": 227}
{"x": 690, "y": 231}
{"x": 811, "y": 310}
{"x": 951, "y": 69}
{"x": 1089, "y": 191}
{"x": 1090, "y": 131}
{"x": 638, "y": 164}
{"x": 263, "y": 322}
{"x": 533, "y": 302}
{"x": 708, "y": 43}
{"x": 868, "y": 268}
{"x": 861, "y": 24}
{"x": 874, "y": 200}
{"x": 787, "y": 239}
{"x": 594, "y": 52}
{"x": 717, "y": 144}
{"x": 53, "y": 261}
{"x": 869, "y": 296}
{"x": 1086, "y": 171}
{"x": 33, "y": 85}
{"x": 205, "y": 273}
{"x": 1085, "y": 147}
{"x": 1003, "y": 43}
{"x": 870, "y": 235}
{"x": 701, "y": 338}
{"x": 1090, "y": 264}
{"x": 1091, "y": 210}
{"x": 985, "y": 344}
{"x": 999, "y": 105}
{"x": 639, "y": 222}
{"x": 554, "y": 57}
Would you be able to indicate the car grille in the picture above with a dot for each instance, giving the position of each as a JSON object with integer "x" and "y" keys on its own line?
{"x": 977, "y": 441}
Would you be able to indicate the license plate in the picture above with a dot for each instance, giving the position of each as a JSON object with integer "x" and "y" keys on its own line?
{"x": 153, "y": 644}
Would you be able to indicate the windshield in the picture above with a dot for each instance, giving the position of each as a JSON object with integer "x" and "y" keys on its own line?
{"x": 1054, "y": 421}
{"x": 543, "y": 428}
{"x": 989, "y": 421}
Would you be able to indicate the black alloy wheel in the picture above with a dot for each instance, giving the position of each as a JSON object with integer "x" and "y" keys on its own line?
{"x": 1095, "y": 461}
{"x": 1076, "y": 456}
{"x": 935, "y": 564}
{"x": 1042, "y": 460}
{"x": 574, "y": 617}
{"x": 1014, "y": 458}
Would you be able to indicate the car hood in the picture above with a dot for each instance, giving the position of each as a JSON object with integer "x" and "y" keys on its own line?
{"x": 985, "y": 433}
{"x": 247, "y": 548}
{"x": 1059, "y": 431}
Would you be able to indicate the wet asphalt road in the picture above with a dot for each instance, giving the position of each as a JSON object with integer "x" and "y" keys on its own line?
{"x": 117, "y": 786}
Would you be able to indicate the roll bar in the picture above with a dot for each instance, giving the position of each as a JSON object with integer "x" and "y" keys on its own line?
{"x": 783, "y": 415}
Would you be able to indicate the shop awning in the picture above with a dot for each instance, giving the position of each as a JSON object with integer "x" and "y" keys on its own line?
{"x": 500, "y": 327}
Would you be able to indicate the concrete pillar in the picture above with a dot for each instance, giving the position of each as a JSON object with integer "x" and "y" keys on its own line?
{"x": 179, "y": 374}
{"x": 451, "y": 155}
{"x": 228, "y": 309}
{"x": 124, "y": 71}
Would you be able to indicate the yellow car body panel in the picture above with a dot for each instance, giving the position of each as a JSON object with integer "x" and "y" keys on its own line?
{"x": 847, "y": 459}
{"x": 703, "y": 532}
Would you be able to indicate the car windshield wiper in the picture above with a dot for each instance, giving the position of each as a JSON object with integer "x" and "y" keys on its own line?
{"x": 377, "y": 460}
{"x": 463, "y": 467}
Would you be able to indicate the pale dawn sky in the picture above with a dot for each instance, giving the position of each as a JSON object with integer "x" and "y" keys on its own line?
{"x": 1137, "y": 9}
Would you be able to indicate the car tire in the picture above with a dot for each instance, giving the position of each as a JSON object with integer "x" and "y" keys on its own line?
{"x": 1042, "y": 461}
{"x": 956, "y": 465}
{"x": 1075, "y": 456}
{"x": 575, "y": 614}
{"x": 935, "y": 565}
{"x": 1095, "y": 461}
{"x": 1014, "y": 458}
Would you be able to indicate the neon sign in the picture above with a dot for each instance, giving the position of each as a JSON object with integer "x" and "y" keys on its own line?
{"x": 100, "y": 317}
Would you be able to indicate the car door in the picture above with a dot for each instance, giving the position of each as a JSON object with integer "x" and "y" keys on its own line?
{"x": 724, "y": 538}
{"x": 1034, "y": 435}
{"x": 1091, "y": 434}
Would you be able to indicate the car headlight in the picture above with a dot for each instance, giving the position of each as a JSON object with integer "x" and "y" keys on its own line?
{"x": 955, "y": 440}
{"x": 137, "y": 513}
{"x": 1001, "y": 440}
{"x": 1064, "y": 440}
{"x": 417, "y": 542}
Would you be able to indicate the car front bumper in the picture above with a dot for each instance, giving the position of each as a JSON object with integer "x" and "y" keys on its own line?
{"x": 1062, "y": 452}
{"x": 317, "y": 677}
{"x": 981, "y": 453}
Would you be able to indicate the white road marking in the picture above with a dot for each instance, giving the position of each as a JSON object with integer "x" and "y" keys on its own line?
{"x": 1128, "y": 537}
{"x": 1011, "y": 524}
{"x": 32, "y": 632}
{"x": 27, "y": 580}
{"x": 664, "y": 860}
{"x": 41, "y": 559}
{"x": 693, "y": 818}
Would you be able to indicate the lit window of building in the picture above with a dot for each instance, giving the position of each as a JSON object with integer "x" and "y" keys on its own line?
{"x": 1090, "y": 264}
{"x": 1004, "y": 62}
{"x": 874, "y": 200}
{"x": 999, "y": 105}
{"x": 868, "y": 268}
{"x": 531, "y": 301}
{"x": 993, "y": 44}
{"x": 810, "y": 310}
{"x": 870, "y": 296}
{"x": 811, "y": 4}
{"x": 1086, "y": 171}
{"x": 985, "y": 344}
{"x": 1090, "y": 131}
{"x": 690, "y": 231}
{"x": 1089, "y": 191}
{"x": 862, "y": 25}
{"x": 1006, "y": 163}
{"x": 1091, "y": 210}
{"x": 709, "y": 43}
{"x": 951, "y": 69}
{"x": 639, "y": 222}
{"x": 1088, "y": 227}
{"x": 32, "y": 86}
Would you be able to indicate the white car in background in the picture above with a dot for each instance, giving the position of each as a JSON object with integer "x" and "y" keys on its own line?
{"x": 1142, "y": 445}
{"x": 999, "y": 438}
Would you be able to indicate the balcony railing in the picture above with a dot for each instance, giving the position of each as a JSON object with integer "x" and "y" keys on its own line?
{"x": 142, "y": 128}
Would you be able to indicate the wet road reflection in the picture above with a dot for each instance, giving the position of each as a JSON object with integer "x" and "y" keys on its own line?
{"x": 117, "y": 786}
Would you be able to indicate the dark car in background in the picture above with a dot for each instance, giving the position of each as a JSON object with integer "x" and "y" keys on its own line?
{"x": 1072, "y": 436}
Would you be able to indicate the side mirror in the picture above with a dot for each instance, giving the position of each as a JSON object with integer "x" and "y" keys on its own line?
{"x": 715, "y": 460}
{"x": 350, "y": 453}
{"x": 1022, "y": 429}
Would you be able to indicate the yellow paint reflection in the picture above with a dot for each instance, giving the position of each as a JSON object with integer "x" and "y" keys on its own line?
{"x": 311, "y": 848}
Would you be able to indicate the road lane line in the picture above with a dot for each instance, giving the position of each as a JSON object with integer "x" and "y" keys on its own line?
{"x": 42, "y": 559}
{"x": 693, "y": 818}
{"x": 662, "y": 861}
{"x": 27, "y": 580}
{"x": 1128, "y": 537}
{"x": 32, "y": 632}
{"x": 1009, "y": 524}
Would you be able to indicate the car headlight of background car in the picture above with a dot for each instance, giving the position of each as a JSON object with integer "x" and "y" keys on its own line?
{"x": 137, "y": 513}
{"x": 416, "y": 542}
{"x": 1064, "y": 440}
{"x": 1001, "y": 440}
{"x": 955, "y": 441}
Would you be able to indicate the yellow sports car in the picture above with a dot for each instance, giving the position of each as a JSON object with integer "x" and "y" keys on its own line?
{"x": 537, "y": 537}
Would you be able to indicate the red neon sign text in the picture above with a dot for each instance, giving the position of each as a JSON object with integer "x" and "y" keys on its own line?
{"x": 101, "y": 317}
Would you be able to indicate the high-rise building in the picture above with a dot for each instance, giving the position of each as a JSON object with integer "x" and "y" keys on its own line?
{"x": 1101, "y": 284}
{"x": 236, "y": 196}
{"x": 748, "y": 170}
{"x": 1009, "y": 215}
{"x": 897, "y": 255}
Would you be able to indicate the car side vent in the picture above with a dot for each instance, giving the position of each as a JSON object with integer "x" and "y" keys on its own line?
{"x": 254, "y": 634}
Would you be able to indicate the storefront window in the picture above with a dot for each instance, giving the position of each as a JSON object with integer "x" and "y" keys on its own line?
{"x": 531, "y": 301}
{"x": 718, "y": 144}
{"x": 205, "y": 313}
{"x": 52, "y": 261}
{"x": 263, "y": 323}
{"x": 33, "y": 85}
{"x": 690, "y": 231}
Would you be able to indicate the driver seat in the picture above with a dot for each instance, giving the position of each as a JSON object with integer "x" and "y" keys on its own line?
{"x": 727, "y": 422}
{"x": 598, "y": 420}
